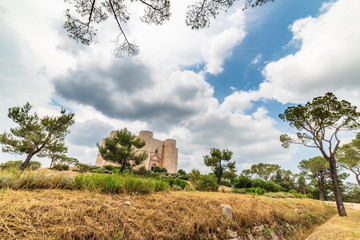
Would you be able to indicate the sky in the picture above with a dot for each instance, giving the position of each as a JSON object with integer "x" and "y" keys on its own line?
{"x": 223, "y": 86}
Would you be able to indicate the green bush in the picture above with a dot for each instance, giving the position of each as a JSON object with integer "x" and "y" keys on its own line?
{"x": 181, "y": 172}
{"x": 226, "y": 183}
{"x": 242, "y": 182}
{"x": 178, "y": 182}
{"x": 267, "y": 185}
{"x": 109, "y": 167}
{"x": 83, "y": 167}
{"x": 142, "y": 171}
{"x": 239, "y": 190}
{"x": 60, "y": 167}
{"x": 258, "y": 191}
{"x": 207, "y": 183}
{"x": 34, "y": 165}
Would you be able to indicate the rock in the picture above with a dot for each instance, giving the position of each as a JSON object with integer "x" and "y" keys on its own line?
{"x": 231, "y": 234}
{"x": 127, "y": 202}
{"x": 226, "y": 210}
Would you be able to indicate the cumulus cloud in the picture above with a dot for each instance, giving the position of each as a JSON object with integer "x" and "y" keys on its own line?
{"x": 328, "y": 58}
{"x": 89, "y": 133}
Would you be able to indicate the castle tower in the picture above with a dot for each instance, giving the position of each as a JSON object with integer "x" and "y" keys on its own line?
{"x": 170, "y": 155}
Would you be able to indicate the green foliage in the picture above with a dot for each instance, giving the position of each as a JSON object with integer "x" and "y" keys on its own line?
{"x": 142, "y": 171}
{"x": 159, "y": 169}
{"x": 33, "y": 165}
{"x": 194, "y": 176}
{"x": 257, "y": 191}
{"x": 121, "y": 149}
{"x": 181, "y": 172}
{"x": 242, "y": 182}
{"x": 109, "y": 167}
{"x": 207, "y": 183}
{"x": 34, "y": 135}
{"x": 83, "y": 167}
{"x": 104, "y": 183}
{"x": 178, "y": 182}
{"x": 348, "y": 157}
{"x": 60, "y": 167}
{"x": 265, "y": 171}
{"x": 118, "y": 184}
{"x": 214, "y": 161}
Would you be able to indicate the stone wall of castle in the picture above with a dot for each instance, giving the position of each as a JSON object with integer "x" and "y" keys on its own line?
{"x": 163, "y": 154}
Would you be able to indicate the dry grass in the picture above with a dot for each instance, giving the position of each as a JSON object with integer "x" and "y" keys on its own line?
{"x": 338, "y": 228}
{"x": 63, "y": 214}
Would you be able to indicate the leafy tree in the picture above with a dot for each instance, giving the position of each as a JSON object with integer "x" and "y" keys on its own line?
{"x": 319, "y": 123}
{"x": 88, "y": 13}
{"x": 348, "y": 157}
{"x": 57, "y": 155}
{"x": 319, "y": 169}
{"x": 264, "y": 170}
{"x": 121, "y": 149}
{"x": 194, "y": 175}
{"x": 247, "y": 173}
{"x": 214, "y": 160}
{"x": 35, "y": 135}
{"x": 181, "y": 172}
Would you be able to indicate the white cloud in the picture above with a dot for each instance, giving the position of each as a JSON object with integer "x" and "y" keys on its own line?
{"x": 328, "y": 58}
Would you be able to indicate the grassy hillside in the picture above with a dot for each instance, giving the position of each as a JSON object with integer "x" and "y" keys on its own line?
{"x": 65, "y": 214}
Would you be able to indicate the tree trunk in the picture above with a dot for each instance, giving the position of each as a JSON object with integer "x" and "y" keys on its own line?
{"x": 27, "y": 160}
{"x": 358, "y": 178}
{"x": 335, "y": 182}
{"x": 123, "y": 165}
{"x": 321, "y": 188}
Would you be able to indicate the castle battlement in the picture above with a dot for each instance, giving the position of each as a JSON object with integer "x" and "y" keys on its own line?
{"x": 163, "y": 154}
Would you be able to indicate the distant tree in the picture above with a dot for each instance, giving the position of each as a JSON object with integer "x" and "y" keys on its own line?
{"x": 35, "y": 135}
{"x": 214, "y": 161}
{"x": 265, "y": 171}
{"x": 194, "y": 175}
{"x": 121, "y": 149}
{"x": 348, "y": 157}
{"x": 57, "y": 154}
{"x": 319, "y": 169}
{"x": 81, "y": 24}
{"x": 247, "y": 173}
{"x": 319, "y": 123}
{"x": 181, "y": 172}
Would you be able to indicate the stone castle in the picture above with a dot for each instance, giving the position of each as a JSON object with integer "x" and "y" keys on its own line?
{"x": 163, "y": 154}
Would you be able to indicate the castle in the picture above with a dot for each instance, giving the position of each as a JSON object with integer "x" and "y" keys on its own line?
{"x": 163, "y": 154}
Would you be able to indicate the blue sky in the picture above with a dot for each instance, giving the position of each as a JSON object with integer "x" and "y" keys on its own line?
{"x": 223, "y": 86}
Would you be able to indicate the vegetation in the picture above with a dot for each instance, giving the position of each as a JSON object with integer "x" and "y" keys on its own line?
{"x": 265, "y": 171}
{"x": 81, "y": 26}
{"x": 33, "y": 165}
{"x": 348, "y": 157}
{"x": 55, "y": 214}
{"x": 319, "y": 169}
{"x": 34, "y": 135}
{"x": 314, "y": 120}
{"x": 121, "y": 149}
{"x": 214, "y": 161}
{"x": 60, "y": 167}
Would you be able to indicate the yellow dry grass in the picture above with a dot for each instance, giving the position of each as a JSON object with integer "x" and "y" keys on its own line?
{"x": 340, "y": 228}
{"x": 62, "y": 214}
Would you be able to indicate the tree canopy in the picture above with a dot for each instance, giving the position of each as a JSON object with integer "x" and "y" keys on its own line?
{"x": 214, "y": 161}
{"x": 319, "y": 169}
{"x": 35, "y": 135}
{"x": 83, "y": 16}
{"x": 265, "y": 171}
{"x": 122, "y": 149}
{"x": 319, "y": 123}
{"x": 348, "y": 157}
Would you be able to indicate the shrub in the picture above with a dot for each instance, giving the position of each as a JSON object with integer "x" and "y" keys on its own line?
{"x": 242, "y": 182}
{"x": 156, "y": 169}
{"x": 267, "y": 185}
{"x": 109, "y": 167}
{"x": 34, "y": 165}
{"x": 60, "y": 167}
{"x": 181, "y": 172}
{"x": 207, "y": 183}
{"x": 178, "y": 182}
{"x": 164, "y": 170}
{"x": 239, "y": 190}
{"x": 83, "y": 167}
{"x": 142, "y": 171}
{"x": 226, "y": 183}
